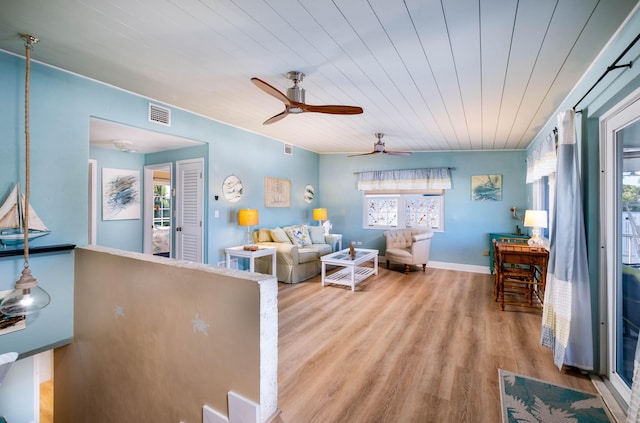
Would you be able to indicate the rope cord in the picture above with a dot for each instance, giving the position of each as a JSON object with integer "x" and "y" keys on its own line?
{"x": 27, "y": 153}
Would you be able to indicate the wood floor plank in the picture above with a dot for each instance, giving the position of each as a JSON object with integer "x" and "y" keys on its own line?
{"x": 422, "y": 347}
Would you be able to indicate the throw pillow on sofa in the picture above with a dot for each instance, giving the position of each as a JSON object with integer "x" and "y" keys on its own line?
{"x": 317, "y": 234}
{"x": 298, "y": 234}
{"x": 279, "y": 235}
{"x": 264, "y": 235}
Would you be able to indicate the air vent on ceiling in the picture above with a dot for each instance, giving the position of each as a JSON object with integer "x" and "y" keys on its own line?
{"x": 288, "y": 149}
{"x": 159, "y": 114}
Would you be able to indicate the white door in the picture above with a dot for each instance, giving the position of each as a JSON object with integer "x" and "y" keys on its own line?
{"x": 189, "y": 210}
{"x": 620, "y": 231}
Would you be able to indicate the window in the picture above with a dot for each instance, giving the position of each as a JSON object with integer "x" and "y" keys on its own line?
{"x": 404, "y": 211}
{"x": 543, "y": 199}
{"x": 161, "y": 205}
{"x": 541, "y": 168}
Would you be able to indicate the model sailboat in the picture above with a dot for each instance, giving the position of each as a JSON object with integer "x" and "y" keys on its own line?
{"x": 12, "y": 220}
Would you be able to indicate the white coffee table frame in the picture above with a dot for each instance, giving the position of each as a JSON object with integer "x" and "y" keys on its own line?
{"x": 353, "y": 273}
{"x": 252, "y": 255}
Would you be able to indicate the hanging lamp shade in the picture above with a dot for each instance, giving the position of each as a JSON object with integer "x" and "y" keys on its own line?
{"x": 27, "y": 297}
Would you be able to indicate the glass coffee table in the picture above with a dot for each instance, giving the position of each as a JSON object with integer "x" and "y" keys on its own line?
{"x": 353, "y": 273}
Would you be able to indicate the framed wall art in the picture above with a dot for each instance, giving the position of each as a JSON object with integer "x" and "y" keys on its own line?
{"x": 120, "y": 194}
{"x": 486, "y": 188}
{"x": 309, "y": 193}
{"x": 232, "y": 188}
{"x": 277, "y": 192}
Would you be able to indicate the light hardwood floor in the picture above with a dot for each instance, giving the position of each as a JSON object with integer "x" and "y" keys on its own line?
{"x": 423, "y": 347}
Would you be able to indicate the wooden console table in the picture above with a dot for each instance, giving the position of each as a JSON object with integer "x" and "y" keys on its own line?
{"x": 499, "y": 237}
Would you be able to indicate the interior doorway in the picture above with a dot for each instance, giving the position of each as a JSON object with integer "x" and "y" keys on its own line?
{"x": 158, "y": 210}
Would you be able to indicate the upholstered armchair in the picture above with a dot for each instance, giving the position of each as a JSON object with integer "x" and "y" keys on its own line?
{"x": 409, "y": 247}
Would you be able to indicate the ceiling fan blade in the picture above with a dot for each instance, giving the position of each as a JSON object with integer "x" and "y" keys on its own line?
{"x": 397, "y": 153}
{"x": 336, "y": 110}
{"x": 271, "y": 90}
{"x": 276, "y": 118}
{"x": 363, "y": 154}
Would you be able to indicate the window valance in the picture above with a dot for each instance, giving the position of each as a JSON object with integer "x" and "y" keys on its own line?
{"x": 405, "y": 179}
{"x": 542, "y": 160}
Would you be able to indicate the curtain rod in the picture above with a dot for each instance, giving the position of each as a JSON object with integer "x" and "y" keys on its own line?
{"x": 613, "y": 66}
{"x": 391, "y": 170}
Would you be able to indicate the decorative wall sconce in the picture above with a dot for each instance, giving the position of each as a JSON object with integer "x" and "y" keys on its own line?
{"x": 514, "y": 214}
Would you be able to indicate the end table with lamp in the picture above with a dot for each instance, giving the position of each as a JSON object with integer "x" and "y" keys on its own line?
{"x": 251, "y": 254}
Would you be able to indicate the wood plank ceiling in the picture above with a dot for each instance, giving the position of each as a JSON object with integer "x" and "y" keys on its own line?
{"x": 431, "y": 75}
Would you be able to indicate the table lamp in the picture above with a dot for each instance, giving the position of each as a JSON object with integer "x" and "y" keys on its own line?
{"x": 248, "y": 218}
{"x": 319, "y": 215}
{"x": 535, "y": 219}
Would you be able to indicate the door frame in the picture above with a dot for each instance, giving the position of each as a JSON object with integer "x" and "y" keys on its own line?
{"x": 147, "y": 240}
{"x": 620, "y": 116}
{"x": 92, "y": 230}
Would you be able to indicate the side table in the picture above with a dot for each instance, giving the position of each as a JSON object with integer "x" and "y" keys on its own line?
{"x": 251, "y": 255}
{"x": 332, "y": 239}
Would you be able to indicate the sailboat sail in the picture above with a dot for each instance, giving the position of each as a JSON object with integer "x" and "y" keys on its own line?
{"x": 12, "y": 219}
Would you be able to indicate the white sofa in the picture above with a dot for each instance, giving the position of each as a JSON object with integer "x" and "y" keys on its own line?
{"x": 299, "y": 248}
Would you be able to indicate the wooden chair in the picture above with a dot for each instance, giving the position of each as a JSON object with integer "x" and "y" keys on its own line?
{"x": 521, "y": 274}
{"x": 496, "y": 259}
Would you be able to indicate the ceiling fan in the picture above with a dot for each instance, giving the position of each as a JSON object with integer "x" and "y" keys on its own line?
{"x": 379, "y": 148}
{"x": 294, "y": 100}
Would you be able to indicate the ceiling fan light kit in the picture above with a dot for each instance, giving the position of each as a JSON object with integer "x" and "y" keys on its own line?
{"x": 379, "y": 148}
{"x": 294, "y": 101}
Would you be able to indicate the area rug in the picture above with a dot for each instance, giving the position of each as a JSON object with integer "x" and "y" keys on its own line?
{"x": 527, "y": 400}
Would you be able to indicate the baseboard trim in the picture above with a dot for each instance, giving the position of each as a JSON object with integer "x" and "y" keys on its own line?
{"x": 458, "y": 267}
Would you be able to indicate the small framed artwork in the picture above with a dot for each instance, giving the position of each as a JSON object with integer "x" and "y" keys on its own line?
{"x": 486, "y": 188}
{"x": 277, "y": 192}
{"x": 309, "y": 193}
{"x": 232, "y": 188}
{"x": 120, "y": 194}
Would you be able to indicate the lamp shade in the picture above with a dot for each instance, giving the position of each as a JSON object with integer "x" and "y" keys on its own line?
{"x": 27, "y": 298}
{"x": 535, "y": 218}
{"x": 319, "y": 214}
{"x": 248, "y": 217}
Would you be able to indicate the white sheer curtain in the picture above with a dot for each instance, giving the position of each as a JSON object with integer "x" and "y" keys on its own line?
{"x": 541, "y": 161}
{"x": 405, "y": 179}
{"x": 566, "y": 316}
{"x": 633, "y": 411}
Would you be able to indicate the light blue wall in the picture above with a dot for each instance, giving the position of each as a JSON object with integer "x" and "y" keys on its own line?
{"x": 467, "y": 223}
{"x": 251, "y": 159}
{"x": 61, "y": 105}
{"x": 121, "y": 234}
{"x": 17, "y": 401}
{"x": 611, "y": 90}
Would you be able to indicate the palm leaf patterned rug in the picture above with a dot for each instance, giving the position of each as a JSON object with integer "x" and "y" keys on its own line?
{"x": 527, "y": 400}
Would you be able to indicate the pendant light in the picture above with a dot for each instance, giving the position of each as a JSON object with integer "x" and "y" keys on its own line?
{"x": 27, "y": 297}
